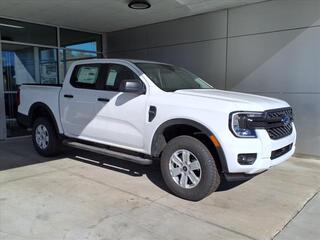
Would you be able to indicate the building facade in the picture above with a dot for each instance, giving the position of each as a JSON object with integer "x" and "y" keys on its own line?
{"x": 269, "y": 48}
{"x": 36, "y": 53}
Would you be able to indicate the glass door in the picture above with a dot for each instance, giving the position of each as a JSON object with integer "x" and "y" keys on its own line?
{"x": 24, "y": 64}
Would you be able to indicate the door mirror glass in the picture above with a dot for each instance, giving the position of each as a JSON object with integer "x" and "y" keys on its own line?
{"x": 132, "y": 86}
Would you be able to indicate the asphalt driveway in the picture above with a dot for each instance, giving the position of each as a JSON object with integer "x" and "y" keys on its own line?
{"x": 82, "y": 195}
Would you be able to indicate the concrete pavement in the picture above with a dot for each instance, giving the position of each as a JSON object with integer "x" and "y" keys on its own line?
{"x": 305, "y": 225}
{"x": 82, "y": 195}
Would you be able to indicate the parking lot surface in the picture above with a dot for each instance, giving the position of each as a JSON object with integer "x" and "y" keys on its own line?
{"x": 82, "y": 195}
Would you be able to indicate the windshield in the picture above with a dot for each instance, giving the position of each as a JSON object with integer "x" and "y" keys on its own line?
{"x": 170, "y": 78}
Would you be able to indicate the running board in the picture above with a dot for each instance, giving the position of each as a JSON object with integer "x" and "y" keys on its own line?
{"x": 107, "y": 152}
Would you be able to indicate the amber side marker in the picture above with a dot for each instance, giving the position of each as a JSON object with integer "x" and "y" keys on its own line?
{"x": 215, "y": 141}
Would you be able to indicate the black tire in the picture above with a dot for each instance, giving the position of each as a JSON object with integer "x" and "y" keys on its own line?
{"x": 210, "y": 177}
{"x": 54, "y": 143}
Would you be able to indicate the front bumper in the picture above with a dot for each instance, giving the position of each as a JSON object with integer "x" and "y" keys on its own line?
{"x": 263, "y": 146}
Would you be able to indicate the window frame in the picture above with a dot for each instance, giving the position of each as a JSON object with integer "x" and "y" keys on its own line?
{"x": 86, "y": 85}
{"x": 105, "y": 72}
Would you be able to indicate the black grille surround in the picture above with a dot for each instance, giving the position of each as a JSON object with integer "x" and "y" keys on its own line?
{"x": 277, "y": 116}
{"x": 277, "y": 122}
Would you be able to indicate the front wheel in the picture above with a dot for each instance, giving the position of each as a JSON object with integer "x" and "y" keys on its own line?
{"x": 188, "y": 168}
{"x": 45, "y": 138}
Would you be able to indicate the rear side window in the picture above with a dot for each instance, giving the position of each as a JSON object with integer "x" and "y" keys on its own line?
{"x": 86, "y": 76}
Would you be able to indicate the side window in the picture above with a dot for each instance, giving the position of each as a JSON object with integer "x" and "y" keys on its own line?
{"x": 115, "y": 74}
{"x": 85, "y": 76}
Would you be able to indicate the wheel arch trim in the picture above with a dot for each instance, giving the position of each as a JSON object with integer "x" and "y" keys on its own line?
{"x": 38, "y": 105}
{"x": 157, "y": 138}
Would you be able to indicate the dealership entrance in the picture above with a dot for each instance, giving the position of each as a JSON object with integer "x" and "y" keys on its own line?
{"x": 34, "y": 53}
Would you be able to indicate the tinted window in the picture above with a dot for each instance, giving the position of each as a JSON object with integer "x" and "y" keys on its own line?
{"x": 12, "y": 30}
{"x": 115, "y": 74}
{"x": 170, "y": 78}
{"x": 85, "y": 76}
{"x": 80, "y": 40}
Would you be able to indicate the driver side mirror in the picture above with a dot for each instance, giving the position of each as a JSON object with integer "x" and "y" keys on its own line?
{"x": 132, "y": 86}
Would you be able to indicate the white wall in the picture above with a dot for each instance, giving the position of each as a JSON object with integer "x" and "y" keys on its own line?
{"x": 270, "y": 48}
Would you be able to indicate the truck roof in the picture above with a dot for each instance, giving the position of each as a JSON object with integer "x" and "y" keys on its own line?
{"x": 102, "y": 60}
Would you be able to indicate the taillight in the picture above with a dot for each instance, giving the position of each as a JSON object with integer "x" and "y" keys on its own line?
{"x": 18, "y": 97}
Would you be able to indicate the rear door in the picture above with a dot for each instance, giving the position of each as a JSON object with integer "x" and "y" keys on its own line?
{"x": 78, "y": 100}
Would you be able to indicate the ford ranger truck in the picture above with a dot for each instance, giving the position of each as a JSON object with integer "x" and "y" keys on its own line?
{"x": 145, "y": 111}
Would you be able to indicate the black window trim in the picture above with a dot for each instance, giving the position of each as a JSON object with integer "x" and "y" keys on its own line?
{"x": 105, "y": 70}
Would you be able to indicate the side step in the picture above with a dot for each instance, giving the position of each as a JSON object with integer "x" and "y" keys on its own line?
{"x": 107, "y": 152}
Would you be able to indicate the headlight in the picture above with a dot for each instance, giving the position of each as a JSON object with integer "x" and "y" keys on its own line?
{"x": 239, "y": 124}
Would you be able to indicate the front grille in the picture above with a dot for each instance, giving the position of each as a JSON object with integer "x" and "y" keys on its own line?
{"x": 280, "y": 130}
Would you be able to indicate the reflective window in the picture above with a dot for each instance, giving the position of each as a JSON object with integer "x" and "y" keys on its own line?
{"x": 80, "y": 40}
{"x": 17, "y": 31}
{"x": 69, "y": 56}
{"x": 27, "y": 64}
{"x": 116, "y": 73}
{"x": 171, "y": 78}
{"x": 35, "y": 63}
{"x": 24, "y": 64}
{"x": 85, "y": 76}
{"x": 77, "y": 55}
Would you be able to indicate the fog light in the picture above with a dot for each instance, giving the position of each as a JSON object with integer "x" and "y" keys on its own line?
{"x": 247, "y": 159}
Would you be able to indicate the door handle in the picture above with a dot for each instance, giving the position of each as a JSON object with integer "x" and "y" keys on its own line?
{"x": 103, "y": 99}
{"x": 68, "y": 96}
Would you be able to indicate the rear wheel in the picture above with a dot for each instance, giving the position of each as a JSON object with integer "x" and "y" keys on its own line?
{"x": 45, "y": 138}
{"x": 188, "y": 168}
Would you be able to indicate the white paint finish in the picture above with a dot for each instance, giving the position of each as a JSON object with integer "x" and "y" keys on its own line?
{"x": 273, "y": 15}
{"x": 106, "y": 16}
{"x": 48, "y": 95}
{"x": 77, "y": 112}
{"x": 123, "y": 122}
{"x": 119, "y": 122}
{"x": 275, "y": 62}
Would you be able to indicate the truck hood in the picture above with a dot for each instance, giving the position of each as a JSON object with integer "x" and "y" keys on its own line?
{"x": 238, "y": 100}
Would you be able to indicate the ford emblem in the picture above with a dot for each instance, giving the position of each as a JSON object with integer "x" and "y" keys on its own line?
{"x": 286, "y": 120}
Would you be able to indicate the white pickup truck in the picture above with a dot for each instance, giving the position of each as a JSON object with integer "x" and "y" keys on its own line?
{"x": 144, "y": 111}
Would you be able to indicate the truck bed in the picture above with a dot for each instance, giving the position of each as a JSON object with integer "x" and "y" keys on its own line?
{"x": 32, "y": 95}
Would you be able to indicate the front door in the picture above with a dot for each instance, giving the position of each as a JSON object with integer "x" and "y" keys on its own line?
{"x": 120, "y": 121}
